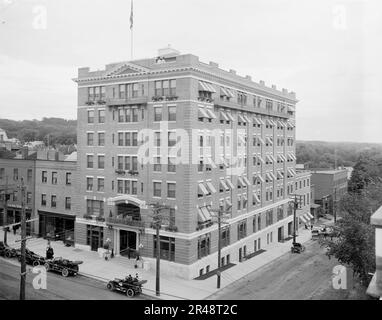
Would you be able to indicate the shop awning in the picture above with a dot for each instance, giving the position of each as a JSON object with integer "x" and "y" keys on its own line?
{"x": 303, "y": 219}
{"x": 310, "y": 216}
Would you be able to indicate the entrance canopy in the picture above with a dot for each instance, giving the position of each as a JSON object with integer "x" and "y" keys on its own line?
{"x": 126, "y": 199}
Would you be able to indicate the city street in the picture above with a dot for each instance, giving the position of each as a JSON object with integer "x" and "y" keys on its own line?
{"x": 58, "y": 288}
{"x": 303, "y": 276}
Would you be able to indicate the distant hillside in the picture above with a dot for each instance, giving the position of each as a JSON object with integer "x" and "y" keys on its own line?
{"x": 320, "y": 154}
{"x": 57, "y": 130}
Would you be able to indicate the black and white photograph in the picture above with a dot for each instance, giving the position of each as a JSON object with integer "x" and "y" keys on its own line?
{"x": 162, "y": 152}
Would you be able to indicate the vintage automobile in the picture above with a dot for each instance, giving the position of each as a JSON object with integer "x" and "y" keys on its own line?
{"x": 64, "y": 266}
{"x": 297, "y": 248}
{"x": 7, "y": 251}
{"x": 129, "y": 286}
{"x": 31, "y": 258}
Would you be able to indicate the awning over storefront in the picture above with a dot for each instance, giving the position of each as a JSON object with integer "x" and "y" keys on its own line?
{"x": 303, "y": 219}
{"x": 309, "y": 215}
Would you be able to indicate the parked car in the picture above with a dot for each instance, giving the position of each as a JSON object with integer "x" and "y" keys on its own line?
{"x": 7, "y": 251}
{"x": 297, "y": 248}
{"x": 64, "y": 266}
{"x": 31, "y": 258}
{"x": 129, "y": 286}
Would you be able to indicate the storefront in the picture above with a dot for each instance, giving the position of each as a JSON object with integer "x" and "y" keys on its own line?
{"x": 56, "y": 226}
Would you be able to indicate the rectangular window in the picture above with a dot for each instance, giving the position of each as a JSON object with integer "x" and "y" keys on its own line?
{"x": 135, "y": 139}
{"x": 54, "y": 177}
{"x": 173, "y": 87}
{"x": 172, "y": 113}
{"x": 157, "y": 189}
{"x": 89, "y": 159}
{"x": 120, "y": 139}
{"x": 171, "y": 167}
{"x": 44, "y": 176}
{"x": 134, "y": 112}
{"x": 2, "y": 173}
{"x": 15, "y": 174}
{"x": 122, "y": 91}
{"x": 242, "y": 230}
{"x": 29, "y": 175}
{"x": 90, "y": 139}
{"x": 101, "y": 116}
{"x": 204, "y": 246}
{"x": 167, "y": 248}
{"x": 120, "y": 186}
{"x": 121, "y": 115}
{"x": 134, "y": 187}
{"x": 68, "y": 203}
{"x": 158, "y": 88}
{"x": 101, "y": 184}
{"x": 127, "y": 139}
{"x": 157, "y": 164}
{"x": 134, "y": 165}
{"x": 15, "y": 196}
{"x": 157, "y": 140}
{"x": 90, "y": 116}
{"x": 94, "y": 207}
{"x": 29, "y": 197}
{"x": 127, "y": 115}
{"x": 101, "y": 139}
{"x": 89, "y": 184}
{"x": 158, "y": 114}
{"x": 171, "y": 187}
{"x": 171, "y": 139}
{"x": 68, "y": 178}
{"x": 53, "y": 200}
{"x": 127, "y": 163}
{"x": 43, "y": 199}
{"x": 166, "y": 87}
{"x": 101, "y": 162}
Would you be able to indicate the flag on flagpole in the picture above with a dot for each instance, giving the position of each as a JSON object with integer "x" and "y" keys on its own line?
{"x": 131, "y": 15}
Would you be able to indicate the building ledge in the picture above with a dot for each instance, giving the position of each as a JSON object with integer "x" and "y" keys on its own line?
{"x": 374, "y": 290}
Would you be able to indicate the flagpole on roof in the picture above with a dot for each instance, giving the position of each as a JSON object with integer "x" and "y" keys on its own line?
{"x": 131, "y": 28}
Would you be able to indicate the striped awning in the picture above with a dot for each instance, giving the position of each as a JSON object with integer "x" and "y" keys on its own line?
{"x": 223, "y": 116}
{"x": 268, "y": 176}
{"x": 273, "y": 176}
{"x": 211, "y": 187}
{"x": 210, "y": 113}
{"x": 269, "y": 140}
{"x": 256, "y": 197}
{"x": 204, "y": 214}
{"x": 230, "y": 117}
{"x": 246, "y": 118}
{"x": 283, "y": 157}
{"x": 291, "y": 173}
{"x": 241, "y": 181}
{"x": 241, "y": 118}
{"x": 280, "y": 174}
{"x": 261, "y": 140}
{"x": 280, "y": 157}
{"x": 202, "y": 113}
{"x": 303, "y": 219}
{"x": 258, "y": 176}
{"x": 202, "y": 188}
{"x": 246, "y": 180}
{"x": 292, "y": 156}
{"x": 205, "y": 86}
{"x": 255, "y": 120}
{"x": 229, "y": 183}
{"x": 223, "y": 184}
{"x": 261, "y": 159}
{"x": 224, "y": 92}
{"x": 230, "y": 93}
{"x": 228, "y": 202}
{"x": 309, "y": 215}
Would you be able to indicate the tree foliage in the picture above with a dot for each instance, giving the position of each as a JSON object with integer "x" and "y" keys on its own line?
{"x": 55, "y": 131}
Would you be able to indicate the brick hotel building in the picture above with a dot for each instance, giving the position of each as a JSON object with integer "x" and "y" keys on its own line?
{"x": 238, "y": 124}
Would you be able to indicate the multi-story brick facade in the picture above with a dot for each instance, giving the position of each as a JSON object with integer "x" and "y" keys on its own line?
{"x": 234, "y": 142}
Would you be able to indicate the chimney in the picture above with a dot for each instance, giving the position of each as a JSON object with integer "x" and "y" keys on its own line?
{"x": 274, "y": 87}
{"x": 285, "y": 91}
{"x": 214, "y": 64}
{"x": 232, "y": 71}
{"x": 248, "y": 77}
{"x": 262, "y": 83}
{"x": 168, "y": 52}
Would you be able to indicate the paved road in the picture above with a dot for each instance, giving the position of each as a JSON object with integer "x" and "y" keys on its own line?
{"x": 58, "y": 288}
{"x": 292, "y": 276}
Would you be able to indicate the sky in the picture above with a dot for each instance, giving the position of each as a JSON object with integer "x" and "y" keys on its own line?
{"x": 329, "y": 52}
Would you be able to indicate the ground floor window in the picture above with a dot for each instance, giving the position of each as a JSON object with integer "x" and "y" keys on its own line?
{"x": 204, "y": 245}
{"x": 167, "y": 248}
{"x": 56, "y": 227}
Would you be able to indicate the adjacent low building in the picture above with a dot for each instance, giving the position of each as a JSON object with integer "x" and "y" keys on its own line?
{"x": 330, "y": 187}
{"x": 375, "y": 286}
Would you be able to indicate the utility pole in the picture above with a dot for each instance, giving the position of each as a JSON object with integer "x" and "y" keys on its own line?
{"x": 157, "y": 221}
{"x": 295, "y": 207}
{"x": 335, "y": 205}
{"x": 23, "y": 240}
{"x": 219, "y": 214}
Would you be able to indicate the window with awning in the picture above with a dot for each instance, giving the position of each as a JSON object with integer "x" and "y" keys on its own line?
{"x": 229, "y": 183}
{"x": 228, "y": 202}
{"x": 280, "y": 157}
{"x": 259, "y": 177}
{"x": 261, "y": 159}
{"x": 303, "y": 219}
{"x": 241, "y": 118}
{"x": 269, "y": 141}
{"x": 241, "y": 181}
{"x": 202, "y": 189}
{"x": 292, "y": 156}
{"x": 269, "y": 122}
{"x": 291, "y": 173}
{"x": 291, "y": 108}
{"x": 268, "y": 177}
{"x": 246, "y": 118}
{"x": 205, "y": 86}
{"x": 309, "y": 215}
{"x": 280, "y": 174}
{"x": 230, "y": 93}
{"x": 224, "y": 92}
{"x": 261, "y": 140}
{"x": 211, "y": 187}
{"x": 283, "y": 157}
{"x": 223, "y": 185}
{"x": 272, "y": 175}
{"x": 210, "y": 113}
{"x": 246, "y": 180}
{"x": 223, "y": 116}
{"x": 204, "y": 214}
{"x": 230, "y": 117}
{"x": 202, "y": 113}
{"x": 256, "y": 197}
{"x": 255, "y": 120}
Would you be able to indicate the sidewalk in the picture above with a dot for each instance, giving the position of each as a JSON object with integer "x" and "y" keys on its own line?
{"x": 171, "y": 288}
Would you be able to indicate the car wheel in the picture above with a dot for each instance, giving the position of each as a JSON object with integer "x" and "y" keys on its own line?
{"x": 8, "y": 254}
{"x": 35, "y": 263}
{"x": 110, "y": 286}
{"x": 65, "y": 272}
{"x": 47, "y": 267}
{"x": 130, "y": 293}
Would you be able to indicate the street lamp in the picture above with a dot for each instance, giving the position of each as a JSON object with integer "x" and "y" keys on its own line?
{"x": 296, "y": 201}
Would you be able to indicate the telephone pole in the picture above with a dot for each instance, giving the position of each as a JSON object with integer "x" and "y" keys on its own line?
{"x": 157, "y": 221}
{"x": 23, "y": 240}
{"x": 335, "y": 205}
{"x": 296, "y": 202}
{"x": 220, "y": 213}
